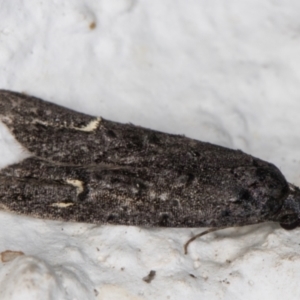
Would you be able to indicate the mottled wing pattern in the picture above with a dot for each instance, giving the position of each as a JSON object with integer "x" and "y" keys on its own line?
{"x": 89, "y": 169}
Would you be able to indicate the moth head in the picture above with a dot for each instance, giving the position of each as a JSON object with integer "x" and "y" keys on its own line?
{"x": 289, "y": 215}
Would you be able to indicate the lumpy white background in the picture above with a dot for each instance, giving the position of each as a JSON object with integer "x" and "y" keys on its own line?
{"x": 227, "y": 72}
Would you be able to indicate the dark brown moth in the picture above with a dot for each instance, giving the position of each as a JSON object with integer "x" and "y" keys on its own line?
{"x": 88, "y": 169}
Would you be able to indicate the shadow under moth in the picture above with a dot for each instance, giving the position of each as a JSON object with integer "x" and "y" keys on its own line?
{"x": 88, "y": 169}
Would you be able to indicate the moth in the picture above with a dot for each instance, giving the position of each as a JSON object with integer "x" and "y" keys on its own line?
{"x": 88, "y": 169}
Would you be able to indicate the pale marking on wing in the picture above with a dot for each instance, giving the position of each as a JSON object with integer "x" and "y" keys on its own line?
{"x": 76, "y": 183}
{"x": 90, "y": 127}
{"x": 93, "y": 125}
{"x": 62, "y": 204}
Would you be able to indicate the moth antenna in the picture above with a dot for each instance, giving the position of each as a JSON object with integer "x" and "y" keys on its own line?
{"x": 199, "y": 235}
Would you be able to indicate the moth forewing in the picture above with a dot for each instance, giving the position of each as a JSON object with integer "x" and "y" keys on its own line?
{"x": 89, "y": 169}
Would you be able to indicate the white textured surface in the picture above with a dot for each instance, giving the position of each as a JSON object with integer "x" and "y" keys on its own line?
{"x": 227, "y": 72}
